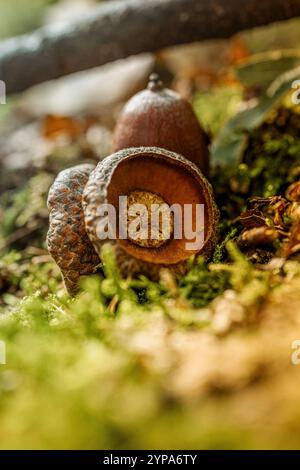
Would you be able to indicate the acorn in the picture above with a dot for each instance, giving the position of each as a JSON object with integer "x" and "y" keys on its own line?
{"x": 156, "y": 180}
{"x": 160, "y": 117}
{"x": 67, "y": 240}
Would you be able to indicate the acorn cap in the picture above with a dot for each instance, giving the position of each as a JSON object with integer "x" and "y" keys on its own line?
{"x": 67, "y": 240}
{"x": 148, "y": 174}
{"x": 160, "y": 117}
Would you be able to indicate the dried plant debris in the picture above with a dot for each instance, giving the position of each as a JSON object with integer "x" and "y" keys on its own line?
{"x": 271, "y": 225}
{"x": 259, "y": 196}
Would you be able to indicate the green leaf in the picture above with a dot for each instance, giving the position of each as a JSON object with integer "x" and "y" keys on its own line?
{"x": 231, "y": 141}
{"x": 262, "y": 69}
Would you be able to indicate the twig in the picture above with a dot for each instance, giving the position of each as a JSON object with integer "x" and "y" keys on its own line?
{"x": 119, "y": 29}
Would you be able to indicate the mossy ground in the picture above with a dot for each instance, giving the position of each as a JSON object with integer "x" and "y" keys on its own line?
{"x": 202, "y": 361}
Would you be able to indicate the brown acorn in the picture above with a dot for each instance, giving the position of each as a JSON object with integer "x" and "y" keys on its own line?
{"x": 155, "y": 178}
{"x": 160, "y": 117}
{"x": 67, "y": 240}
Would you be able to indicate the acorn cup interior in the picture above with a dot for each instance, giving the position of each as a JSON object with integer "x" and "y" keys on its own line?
{"x": 152, "y": 175}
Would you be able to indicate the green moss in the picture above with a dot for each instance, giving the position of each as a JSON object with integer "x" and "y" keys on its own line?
{"x": 268, "y": 165}
{"x": 200, "y": 286}
{"x": 81, "y": 375}
{"x": 272, "y": 161}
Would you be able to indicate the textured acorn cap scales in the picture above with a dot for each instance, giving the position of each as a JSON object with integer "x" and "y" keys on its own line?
{"x": 158, "y": 171}
{"x": 67, "y": 240}
{"x": 160, "y": 117}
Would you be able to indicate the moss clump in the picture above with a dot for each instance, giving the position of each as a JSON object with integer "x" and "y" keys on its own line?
{"x": 268, "y": 165}
{"x": 273, "y": 154}
{"x": 200, "y": 286}
{"x": 122, "y": 373}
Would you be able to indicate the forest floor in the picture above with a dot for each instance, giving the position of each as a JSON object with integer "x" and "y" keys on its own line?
{"x": 207, "y": 360}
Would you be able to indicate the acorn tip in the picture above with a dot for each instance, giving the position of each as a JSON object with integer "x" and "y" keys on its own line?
{"x": 155, "y": 83}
